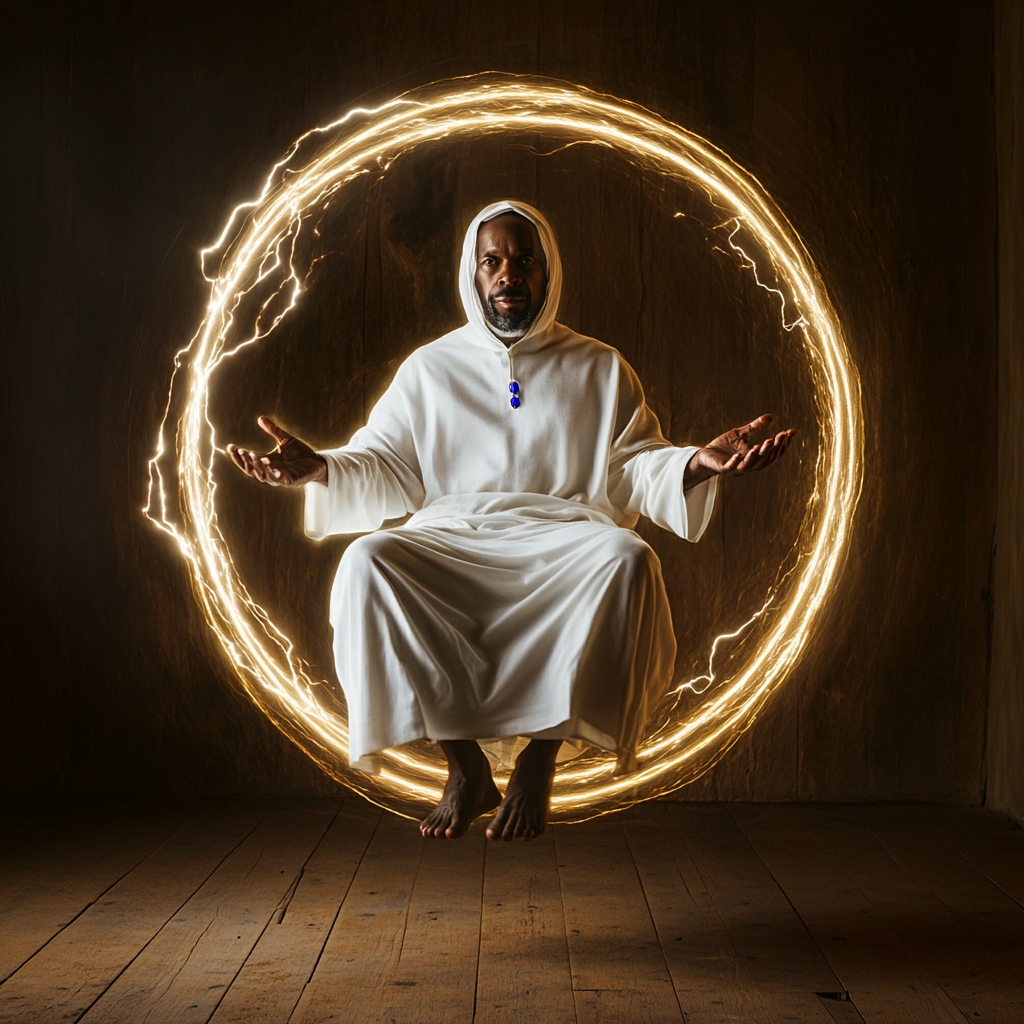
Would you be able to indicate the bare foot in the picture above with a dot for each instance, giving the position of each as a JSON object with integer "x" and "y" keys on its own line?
{"x": 524, "y": 811}
{"x": 469, "y": 792}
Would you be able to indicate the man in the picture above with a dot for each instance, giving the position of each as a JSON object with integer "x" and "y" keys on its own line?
{"x": 516, "y": 601}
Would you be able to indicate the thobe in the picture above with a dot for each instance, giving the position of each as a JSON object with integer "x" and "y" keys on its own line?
{"x": 517, "y": 600}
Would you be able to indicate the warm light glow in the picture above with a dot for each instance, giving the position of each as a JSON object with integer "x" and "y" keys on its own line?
{"x": 256, "y": 257}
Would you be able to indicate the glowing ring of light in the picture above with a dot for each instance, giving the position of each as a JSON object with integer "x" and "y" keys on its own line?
{"x": 258, "y": 234}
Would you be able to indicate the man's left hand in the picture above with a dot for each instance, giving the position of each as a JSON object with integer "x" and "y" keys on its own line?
{"x": 734, "y": 454}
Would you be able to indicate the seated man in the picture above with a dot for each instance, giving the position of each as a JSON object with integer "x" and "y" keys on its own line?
{"x": 517, "y": 600}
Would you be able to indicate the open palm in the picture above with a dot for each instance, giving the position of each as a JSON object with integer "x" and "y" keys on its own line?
{"x": 735, "y": 454}
{"x": 290, "y": 464}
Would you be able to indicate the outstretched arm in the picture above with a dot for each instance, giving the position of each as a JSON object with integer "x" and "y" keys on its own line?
{"x": 290, "y": 464}
{"x": 733, "y": 453}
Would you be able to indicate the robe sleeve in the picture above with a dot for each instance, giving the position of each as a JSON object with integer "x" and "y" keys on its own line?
{"x": 376, "y": 476}
{"x": 645, "y": 472}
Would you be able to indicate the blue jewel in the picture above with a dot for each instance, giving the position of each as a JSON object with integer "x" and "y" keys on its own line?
{"x": 513, "y": 386}
{"x": 514, "y": 401}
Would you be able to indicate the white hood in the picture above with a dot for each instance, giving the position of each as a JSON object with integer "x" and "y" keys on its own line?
{"x": 467, "y": 273}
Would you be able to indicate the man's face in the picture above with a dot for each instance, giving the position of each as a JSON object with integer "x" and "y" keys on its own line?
{"x": 510, "y": 276}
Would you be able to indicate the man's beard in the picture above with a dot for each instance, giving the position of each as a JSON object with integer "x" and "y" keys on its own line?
{"x": 507, "y": 325}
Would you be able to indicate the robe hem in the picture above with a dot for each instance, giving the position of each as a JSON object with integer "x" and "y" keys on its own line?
{"x": 576, "y": 730}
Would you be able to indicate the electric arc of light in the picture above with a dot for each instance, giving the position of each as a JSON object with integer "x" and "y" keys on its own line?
{"x": 257, "y": 246}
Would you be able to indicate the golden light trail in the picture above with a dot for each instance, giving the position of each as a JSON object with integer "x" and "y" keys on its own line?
{"x": 709, "y": 677}
{"x": 256, "y": 260}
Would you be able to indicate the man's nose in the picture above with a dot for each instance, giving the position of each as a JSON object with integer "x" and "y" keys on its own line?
{"x": 510, "y": 274}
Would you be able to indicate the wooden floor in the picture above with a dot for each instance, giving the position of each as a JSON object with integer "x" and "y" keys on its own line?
{"x": 243, "y": 911}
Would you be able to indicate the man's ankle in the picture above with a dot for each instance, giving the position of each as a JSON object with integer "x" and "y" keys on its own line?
{"x": 542, "y": 751}
{"x": 465, "y": 759}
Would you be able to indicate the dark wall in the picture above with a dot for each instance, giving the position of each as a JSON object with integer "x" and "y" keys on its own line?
{"x": 129, "y": 132}
{"x": 1005, "y": 749}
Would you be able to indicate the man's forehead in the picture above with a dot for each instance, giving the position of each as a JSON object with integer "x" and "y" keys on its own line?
{"x": 508, "y": 227}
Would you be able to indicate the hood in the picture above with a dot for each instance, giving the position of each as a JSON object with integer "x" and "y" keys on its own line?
{"x": 467, "y": 271}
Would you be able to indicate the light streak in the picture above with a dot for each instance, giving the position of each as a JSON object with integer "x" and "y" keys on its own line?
{"x": 257, "y": 256}
{"x": 709, "y": 676}
{"x": 750, "y": 265}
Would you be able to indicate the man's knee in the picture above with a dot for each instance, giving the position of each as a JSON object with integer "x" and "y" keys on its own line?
{"x": 367, "y": 555}
{"x": 633, "y": 556}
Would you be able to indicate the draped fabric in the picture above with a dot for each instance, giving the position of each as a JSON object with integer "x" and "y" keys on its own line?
{"x": 517, "y": 600}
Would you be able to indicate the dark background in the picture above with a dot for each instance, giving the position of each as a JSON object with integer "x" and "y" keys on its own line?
{"x": 130, "y": 131}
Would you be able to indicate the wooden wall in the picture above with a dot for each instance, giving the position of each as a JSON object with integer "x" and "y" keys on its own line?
{"x": 130, "y": 131}
{"x": 1005, "y": 749}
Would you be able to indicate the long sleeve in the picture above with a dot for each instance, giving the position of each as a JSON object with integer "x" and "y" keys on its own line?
{"x": 656, "y": 479}
{"x": 360, "y": 493}
{"x": 376, "y": 476}
{"x": 645, "y": 472}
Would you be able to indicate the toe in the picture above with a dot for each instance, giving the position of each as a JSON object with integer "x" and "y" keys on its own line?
{"x": 496, "y": 829}
{"x": 457, "y": 829}
{"x": 434, "y": 825}
{"x": 524, "y": 826}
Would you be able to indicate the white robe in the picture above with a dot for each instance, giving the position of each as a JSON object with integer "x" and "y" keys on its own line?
{"x": 517, "y": 600}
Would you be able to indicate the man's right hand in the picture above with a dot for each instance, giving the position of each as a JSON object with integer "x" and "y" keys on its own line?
{"x": 290, "y": 464}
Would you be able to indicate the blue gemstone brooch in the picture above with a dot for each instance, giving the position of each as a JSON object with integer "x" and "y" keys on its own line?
{"x": 515, "y": 401}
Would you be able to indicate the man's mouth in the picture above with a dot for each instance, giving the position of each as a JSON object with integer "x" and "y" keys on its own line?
{"x": 509, "y": 312}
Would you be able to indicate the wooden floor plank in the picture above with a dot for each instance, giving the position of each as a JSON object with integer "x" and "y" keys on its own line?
{"x": 366, "y": 940}
{"x": 524, "y": 975}
{"x": 779, "y": 954}
{"x": 988, "y": 916}
{"x": 606, "y": 913}
{"x": 64, "y": 979}
{"x": 186, "y": 970}
{"x": 436, "y": 966}
{"x": 992, "y": 843}
{"x": 710, "y": 981}
{"x": 978, "y": 983}
{"x": 54, "y": 870}
{"x": 771, "y": 968}
{"x": 169, "y": 911}
{"x": 279, "y": 966}
{"x": 622, "y": 1006}
{"x": 840, "y": 1009}
{"x": 886, "y": 980}
{"x": 39, "y": 854}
